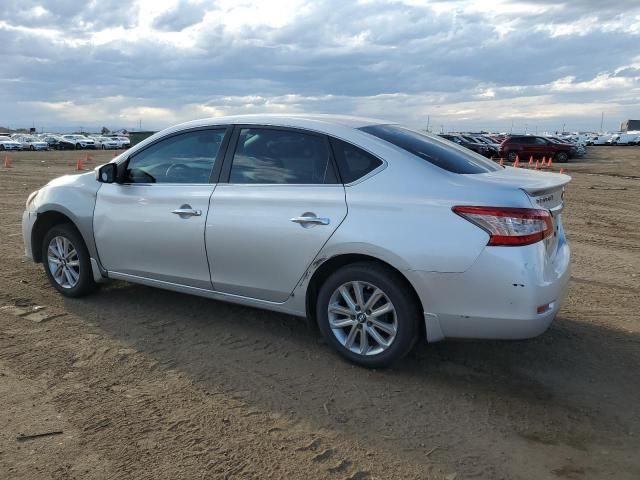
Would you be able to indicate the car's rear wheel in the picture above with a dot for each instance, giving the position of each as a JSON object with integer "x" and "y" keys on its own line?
{"x": 511, "y": 156}
{"x": 66, "y": 261}
{"x": 561, "y": 157}
{"x": 366, "y": 313}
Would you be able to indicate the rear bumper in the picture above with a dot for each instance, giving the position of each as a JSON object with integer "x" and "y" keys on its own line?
{"x": 498, "y": 297}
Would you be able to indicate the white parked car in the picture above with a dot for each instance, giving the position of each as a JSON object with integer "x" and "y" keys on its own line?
{"x": 623, "y": 139}
{"x": 7, "y": 143}
{"x": 379, "y": 234}
{"x": 124, "y": 142}
{"x": 80, "y": 141}
{"x": 106, "y": 143}
{"x": 600, "y": 139}
{"x": 29, "y": 142}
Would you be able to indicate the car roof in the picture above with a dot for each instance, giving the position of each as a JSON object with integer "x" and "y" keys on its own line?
{"x": 313, "y": 121}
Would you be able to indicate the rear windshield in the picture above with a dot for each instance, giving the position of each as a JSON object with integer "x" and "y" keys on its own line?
{"x": 438, "y": 151}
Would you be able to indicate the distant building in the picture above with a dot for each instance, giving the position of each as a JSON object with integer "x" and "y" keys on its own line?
{"x": 629, "y": 125}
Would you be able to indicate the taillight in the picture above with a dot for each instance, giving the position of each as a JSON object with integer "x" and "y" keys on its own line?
{"x": 509, "y": 226}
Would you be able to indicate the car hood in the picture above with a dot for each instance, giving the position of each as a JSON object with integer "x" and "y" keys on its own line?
{"x": 73, "y": 180}
{"x": 531, "y": 181}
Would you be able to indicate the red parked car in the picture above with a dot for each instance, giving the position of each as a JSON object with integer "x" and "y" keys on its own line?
{"x": 526, "y": 146}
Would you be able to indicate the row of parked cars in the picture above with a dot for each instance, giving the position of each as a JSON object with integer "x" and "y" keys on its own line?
{"x": 622, "y": 138}
{"x": 51, "y": 141}
{"x": 510, "y": 147}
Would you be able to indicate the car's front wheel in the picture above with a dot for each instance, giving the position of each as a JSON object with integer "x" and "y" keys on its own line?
{"x": 66, "y": 261}
{"x": 511, "y": 156}
{"x": 366, "y": 312}
{"x": 561, "y": 157}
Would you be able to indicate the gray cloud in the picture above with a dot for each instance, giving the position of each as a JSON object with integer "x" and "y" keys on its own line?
{"x": 183, "y": 15}
{"x": 380, "y": 59}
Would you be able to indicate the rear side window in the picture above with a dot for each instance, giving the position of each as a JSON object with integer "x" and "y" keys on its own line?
{"x": 353, "y": 162}
{"x": 266, "y": 155}
{"x": 440, "y": 153}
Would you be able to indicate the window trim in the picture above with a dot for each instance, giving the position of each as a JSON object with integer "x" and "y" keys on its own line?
{"x": 225, "y": 173}
{"x": 217, "y": 163}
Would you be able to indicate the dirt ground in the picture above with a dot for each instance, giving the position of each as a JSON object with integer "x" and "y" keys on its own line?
{"x": 145, "y": 383}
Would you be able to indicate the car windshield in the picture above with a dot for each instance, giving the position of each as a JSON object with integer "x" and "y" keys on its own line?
{"x": 437, "y": 151}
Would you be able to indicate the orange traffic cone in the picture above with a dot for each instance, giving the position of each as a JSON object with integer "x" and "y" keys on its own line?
{"x": 561, "y": 170}
{"x": 537, "y": 165}
{"x": 79, "y": 165}
{"x": 531, "y": 161}
{"x": 7, "y": 162}
{"x": 501, "y": 162}
{"x": 516, "y": 164}
{"x": 549, "y": 163}
{"x": 115, "y": 155}
{"x": 544, "y": 162}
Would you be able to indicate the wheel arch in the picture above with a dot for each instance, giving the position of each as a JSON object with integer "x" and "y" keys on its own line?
{"x": 44, "y": 222}
{"x": 338, "y": 261}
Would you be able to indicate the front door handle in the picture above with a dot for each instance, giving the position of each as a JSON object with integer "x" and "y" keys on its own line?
{"x": 185, "y": 211}
{"x": 308, "y": 220}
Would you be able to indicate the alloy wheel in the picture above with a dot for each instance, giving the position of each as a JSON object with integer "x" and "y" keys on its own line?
{"x": 64, "y": 263}
{"x": 362, "y": 318}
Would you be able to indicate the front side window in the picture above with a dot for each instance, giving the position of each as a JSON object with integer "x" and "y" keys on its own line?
{"x": 184, "y": 158}
{"x": 265, "y": 155}
{"x": 434, "y": 150}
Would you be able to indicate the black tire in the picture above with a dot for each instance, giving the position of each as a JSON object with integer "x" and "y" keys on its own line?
{"x": 395, "y": 288}
{"x": 1, "y": 147}
{"x": 103, "y": 147}
{"x": 511, "y": 156}
{"x": 78, "y": 146}
{"x": 561, "y": 157}
{"x": 32, "y": 148}
{"x": 85, "y": 283}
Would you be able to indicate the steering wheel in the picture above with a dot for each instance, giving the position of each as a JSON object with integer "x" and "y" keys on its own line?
{"x": 177, "y": 169}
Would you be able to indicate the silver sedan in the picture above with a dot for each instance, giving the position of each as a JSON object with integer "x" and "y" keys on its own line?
{"x": 377, "y": 233}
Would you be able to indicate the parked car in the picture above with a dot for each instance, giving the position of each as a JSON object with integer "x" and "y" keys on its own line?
{"x": 579, "y": 149}
{"x": 600, "y": 139}
{"x": 7, "y": 143}
{"x": 80, "y": 141}
{"x": 477, "y": 147}
{"x": 58, "y": 142}
{"x": 373, "y": 231}
{"x": 31, "y": 143}
{"x": 623, "y": 139}
{"x": 493, "y": 148}
{"x": 107, "y": 143}
{"x": 123, "y": 142}
{"x": 526, "y": 146}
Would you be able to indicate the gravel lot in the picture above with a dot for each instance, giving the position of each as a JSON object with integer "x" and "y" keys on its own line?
{"x": 145, "y": 383}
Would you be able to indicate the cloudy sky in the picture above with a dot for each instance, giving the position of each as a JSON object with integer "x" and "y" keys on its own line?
{"x": 466, "y": 64}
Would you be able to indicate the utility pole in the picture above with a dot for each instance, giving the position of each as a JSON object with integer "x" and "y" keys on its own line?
{"x": 428, "y": 120}
{"x": 601, "y": 121}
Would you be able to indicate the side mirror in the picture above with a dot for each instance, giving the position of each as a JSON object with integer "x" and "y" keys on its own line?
{"x": 107, "y": 173}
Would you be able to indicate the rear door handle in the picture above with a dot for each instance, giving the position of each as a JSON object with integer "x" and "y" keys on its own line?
{"x": 308, "y": 220}
{"x": 186, "y": 211}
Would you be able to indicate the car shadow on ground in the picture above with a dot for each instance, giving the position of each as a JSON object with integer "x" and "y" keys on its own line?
{"x": 571, "y": 385}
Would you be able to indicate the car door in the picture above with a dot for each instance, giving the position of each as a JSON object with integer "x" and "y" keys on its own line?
{"x": 151, "y": 224}
{"x": 279, "y": 205}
